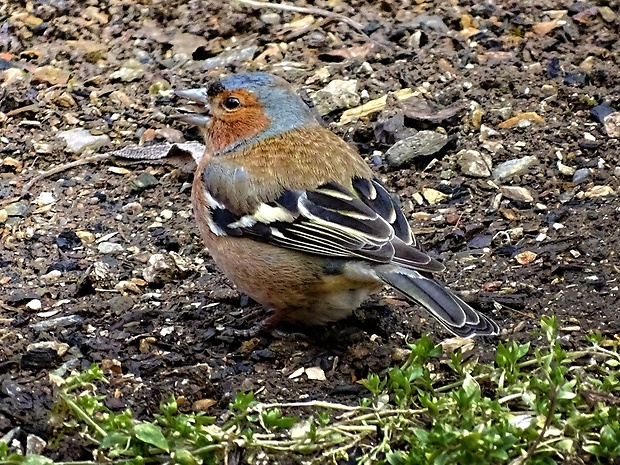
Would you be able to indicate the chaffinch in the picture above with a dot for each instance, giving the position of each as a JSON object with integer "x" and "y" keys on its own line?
{"x": 294, "y": 217}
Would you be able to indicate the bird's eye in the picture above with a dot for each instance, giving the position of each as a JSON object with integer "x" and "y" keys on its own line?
{"x": 231, "y": 103}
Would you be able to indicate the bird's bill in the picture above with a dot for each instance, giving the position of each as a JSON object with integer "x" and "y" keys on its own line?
{"x": 197, "y": 95}
{"x": 194, "y": 119}
{"x": 199, "y": 115}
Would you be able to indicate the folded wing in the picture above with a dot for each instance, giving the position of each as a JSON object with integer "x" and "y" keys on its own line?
{"x": 330, "y": 220}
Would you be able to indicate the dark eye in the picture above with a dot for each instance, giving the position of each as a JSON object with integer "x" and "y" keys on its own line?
{"x": 231, "y": 103}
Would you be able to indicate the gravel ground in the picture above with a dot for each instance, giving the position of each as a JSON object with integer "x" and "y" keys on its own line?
{"x": 499, "y": 132}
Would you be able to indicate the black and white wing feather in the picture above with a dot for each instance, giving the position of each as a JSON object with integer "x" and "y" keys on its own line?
{"x": 330, "y": 220}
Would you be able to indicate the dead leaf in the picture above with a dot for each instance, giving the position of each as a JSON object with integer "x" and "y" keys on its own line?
{"x": 454, "y": 343}
{"x": 183, "y": 156}
{"x": 315, "y": 373}
{"x": 419, "y": 109}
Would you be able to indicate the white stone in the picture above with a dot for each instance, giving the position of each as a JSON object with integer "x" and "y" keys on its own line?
{"x": 34, "y": 304}
{"x": 79, "y": 140}
{"x": 110, "y": 248}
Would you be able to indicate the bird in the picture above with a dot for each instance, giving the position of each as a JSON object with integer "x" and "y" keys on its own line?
{"x": 296, "y": 219}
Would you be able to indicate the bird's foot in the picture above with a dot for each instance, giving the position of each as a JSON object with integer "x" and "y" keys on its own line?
{"x": 267, "y": 323}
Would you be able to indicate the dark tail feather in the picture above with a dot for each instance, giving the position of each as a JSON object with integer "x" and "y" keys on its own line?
{"x": 454, "y": 314}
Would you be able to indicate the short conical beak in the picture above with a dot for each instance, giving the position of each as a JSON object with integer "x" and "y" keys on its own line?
{"x": 192, "y": 118}
{"x": 200, "y": 97}
{"x": 197, "y": 95}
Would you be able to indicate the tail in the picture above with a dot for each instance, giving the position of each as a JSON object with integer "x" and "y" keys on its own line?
{"x": 454, "y": 314}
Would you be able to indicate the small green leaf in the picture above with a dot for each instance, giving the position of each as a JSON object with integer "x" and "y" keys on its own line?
{"x": 151, "y": 434}
{"x": 115, "y": 440}
{"x": 566, "y": 395}
{"x": 470, "y": 386}
{"x": 34, "y": 459}
{"x": 565, "y": 445}
{"x": 183, "y": 457}
{"x": 396, "y": 457}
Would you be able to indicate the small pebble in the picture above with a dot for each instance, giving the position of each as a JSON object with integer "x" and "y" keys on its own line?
{"x": 607, "y": 14}
{"x": 202, "y": 405}
{"x": 110, "y": 248}
{"x": 143, "y": 181}
{"x": 487, "y": 132}
{"x": 523, "y": 120}
{"x": 230, "y": 57}
{"x": 599, "y": 112}
{"x": 132, "y": 208}
{"x": 612, "y": 124}
{"x": 315, "y": 373}
{"x": 338, "y": 94}
{"x": 60, "y": 348}
{"x": 132, "y": 70}
{"x": 120, "y": 305}
{"x": 160, "y": 268}
{"x": 520, "y": 194}
{"x": 35, "y": 445}
{"x": 565, "y": 169}
{"x": 62, "y": 322}
{"x": 18, "y": 209}
{"x": 599, "y": 191}
{"x": 86, "y": 237}
{"x": 45, "y": 198}
{"x": 34, "y": 304}
{"x": 581, "y": 175}
{"x": 270, "y": 18}
{"x": 473, "y": 163}
{"x": 513, "y": 167}
{"x": 433, "y": 196}
{"x": 423, "y": 143}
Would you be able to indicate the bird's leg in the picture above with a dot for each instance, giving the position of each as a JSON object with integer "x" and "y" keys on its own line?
{"x": 255, "y": 313}
{"x": 268, "y": 322}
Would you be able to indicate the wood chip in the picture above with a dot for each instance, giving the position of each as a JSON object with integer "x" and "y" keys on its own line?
{"x": 374, "y": 106}
{"x": 522, "y": 120}
{"x": 297, "y": 373}
{"x": 118, "y": 170}
{"x": 526, "y": 257}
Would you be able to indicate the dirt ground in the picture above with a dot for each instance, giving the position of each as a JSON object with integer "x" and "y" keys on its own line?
{"x": 78, "y": 254}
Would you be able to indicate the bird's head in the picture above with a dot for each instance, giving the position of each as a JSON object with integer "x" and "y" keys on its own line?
{"x": 242, "y": 109}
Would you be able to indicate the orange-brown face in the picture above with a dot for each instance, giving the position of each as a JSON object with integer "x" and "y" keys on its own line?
{"x": 236, "y": 116}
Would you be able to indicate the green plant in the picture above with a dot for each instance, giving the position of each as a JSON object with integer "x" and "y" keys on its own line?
{"x": 531, "y": 406}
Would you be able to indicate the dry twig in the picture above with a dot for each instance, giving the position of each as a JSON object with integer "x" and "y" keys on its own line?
{"x": 307, "y": 10}
{"x": 60, "y": 169}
